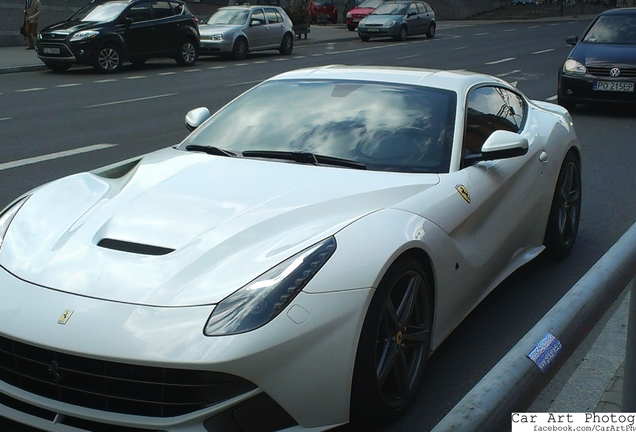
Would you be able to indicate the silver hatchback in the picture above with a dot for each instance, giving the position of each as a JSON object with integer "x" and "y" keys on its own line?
{"x": 238, "y": 30}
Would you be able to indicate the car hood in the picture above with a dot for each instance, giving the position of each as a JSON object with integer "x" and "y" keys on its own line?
{"x": 187, "y": 228}
{"x": 210, "y": 29}
{"x": 68, "y": 27}
{"x": 361, "y": 11}
{"x": 591, "y": 54}
{"x": 381, "y": 19}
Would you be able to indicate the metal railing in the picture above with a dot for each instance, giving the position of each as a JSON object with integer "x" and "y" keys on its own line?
{"x": 514, "y": 383}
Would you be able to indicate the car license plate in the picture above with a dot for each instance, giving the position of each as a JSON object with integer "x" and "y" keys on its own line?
{"x": 373, "y": 29}
{"x": 613, "y": 86}
{"x": 46, "y": 50}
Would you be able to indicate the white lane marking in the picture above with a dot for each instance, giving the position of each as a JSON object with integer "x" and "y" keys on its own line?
{"x": 299, "y": 57}
{"x": 56, "y": 155}
{"x": 555, "y": 24}
{"x": 409, "y": 56}
{"x": 500, "y": 61}
{"x": 281, "y": 59}
{"x": 241, "y": 64}
{"x": 130, "y": 100}
{"x": 509, "y": 73}
{"x": 481, "y": 34}
{"x": 135, "y": 77}
{"x": 68, "y": 85}
{"x": 192, "y": 70}
{"x": 5, "y": 118}
{"x": 244, "y": 83}
{"x": 105, "y": 80}
{"x": 166, "y": 73}
{"x": 509, "y": 30}
{"x": 217, "y": 67}
{"x": 260, "y": 62}
{"x": 31, "y": 89}
{"x": 316, "y": 55}
{"x": 551, "y": 98}
{"x": 536, "y": 26}
{"x": 459, "y": 48}
{"x": 544, "y": 51}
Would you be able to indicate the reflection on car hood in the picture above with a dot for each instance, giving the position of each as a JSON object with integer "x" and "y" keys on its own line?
{"x": 219, "y": 221}
{"x": 361, "y": 11}
{"x": 596, "y": 54}
{"x": 68, "y": 27}
{"x": 381, "y": 19}
{"x": 210, "y": 29}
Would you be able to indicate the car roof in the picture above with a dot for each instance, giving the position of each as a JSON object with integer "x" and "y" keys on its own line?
{"x": 459, "y": 81}
{"x": 249, "y": 7}
{"x": 620, "y": 11}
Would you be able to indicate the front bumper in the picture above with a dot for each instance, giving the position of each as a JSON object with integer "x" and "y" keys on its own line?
{"x": 379, "y": 31}
{"x": 62, "y": 52}
{"x": 580, "y": 89}
{"x": 299, "y": 364}
{"x": 215, "y": 46}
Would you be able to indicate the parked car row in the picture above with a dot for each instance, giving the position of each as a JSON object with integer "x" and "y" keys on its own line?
{"x": 106, "y": 33}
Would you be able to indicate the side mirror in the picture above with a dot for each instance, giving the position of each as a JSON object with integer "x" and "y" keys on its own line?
{"x": 500, "y": 145}
{"x": 129, "y": 22}
{"x": 196, "y": 117}
{"x": 572, "y": 40}
{"x": 254, "y": 23}
{"x": 410, "y": 14}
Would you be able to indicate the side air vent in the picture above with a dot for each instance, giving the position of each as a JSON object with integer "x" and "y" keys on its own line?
{"x": 136, "y": 248}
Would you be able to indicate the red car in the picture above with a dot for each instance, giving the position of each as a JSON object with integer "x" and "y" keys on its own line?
{"x": 355, "y": 15}
{"x": 326, "y": 8}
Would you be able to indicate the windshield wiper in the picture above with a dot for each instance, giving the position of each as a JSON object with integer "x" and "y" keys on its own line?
{"x": 216, "y": 151}
{"x": 304, "y": 157}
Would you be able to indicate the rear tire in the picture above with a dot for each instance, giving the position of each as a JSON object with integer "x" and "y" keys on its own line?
{"x": 187, "y": 52}
{"x": 431, "y": 31}
{"x": 394, "y": 344}
{"x": 287, "y": 45}
{"x": 565, "y": 211}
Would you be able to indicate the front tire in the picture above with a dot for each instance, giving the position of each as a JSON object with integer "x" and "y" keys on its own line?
{"x": 351, "y": 27}
{"x": 364, "y": 38}
{"x": 239, "y": 51}
{"x": 187, "y": 53}
{"x": 565, "y": 211}
{"x": 109, "y": 59}
{"x": 394, "y": 344}
{"x": 287, "y": 45}
{"x": 431, "y": 31}
{"x": 403, "y": 34}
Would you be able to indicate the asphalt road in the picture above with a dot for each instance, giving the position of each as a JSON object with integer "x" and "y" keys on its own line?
{"x": 142, "y": 109}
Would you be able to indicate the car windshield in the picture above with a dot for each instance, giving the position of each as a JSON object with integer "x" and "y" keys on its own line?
{"x": 103, "y": 12}
{"x": 613, "y": 29}
{"x": 386, "y": 127}
{"x": 370, "y": 4}
{"x": 391, "y": 9}
{"x": 228, "y": 16}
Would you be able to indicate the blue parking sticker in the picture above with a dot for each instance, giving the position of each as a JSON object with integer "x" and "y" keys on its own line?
{"x": 546, "y": 351}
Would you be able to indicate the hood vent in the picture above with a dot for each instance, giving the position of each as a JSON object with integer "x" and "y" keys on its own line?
{"x": 136, "y": 248}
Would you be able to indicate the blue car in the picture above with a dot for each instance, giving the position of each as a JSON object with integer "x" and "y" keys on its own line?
{"x": 398, "y": 19}
{"x": 602, "y": 65}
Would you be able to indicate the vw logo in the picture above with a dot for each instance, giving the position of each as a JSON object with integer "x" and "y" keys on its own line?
{"x": 615, "y": 72}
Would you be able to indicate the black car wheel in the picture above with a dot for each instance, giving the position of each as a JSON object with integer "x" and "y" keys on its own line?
{"x": 402, "y": 35}
{"x": 431, "y": 31}
{"x": 287, "y": 45}
{"x": 394, "y": 344}
{"x": 565, "y": 212}
{"x": 364, "y": 38}
{"x": 58, "y": 66}
{"x": 187, "y": 52}
{"x": 351, "y": 27}
{"x": 109, "y": 59}
{"x": 239, "y": 51}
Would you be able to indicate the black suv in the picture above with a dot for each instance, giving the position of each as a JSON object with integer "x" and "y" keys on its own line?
{"x": 104, "y": 33}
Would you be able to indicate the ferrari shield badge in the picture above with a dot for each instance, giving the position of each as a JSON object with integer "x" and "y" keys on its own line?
{"x": 65, "y": 316}
{"x": 463, "y": 192}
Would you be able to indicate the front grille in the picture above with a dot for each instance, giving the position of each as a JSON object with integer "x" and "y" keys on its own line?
{"x": 604, "y": 71}
{"x": 111, "y": 386}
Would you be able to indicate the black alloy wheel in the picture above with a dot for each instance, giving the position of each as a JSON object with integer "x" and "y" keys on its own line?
{"x": 287, "y": 45}
{"x": 109, "y": 59}
{"x": 239, "y": 51}
{"x": 565, "y": 212}
{"x": 394, "y": 344}
{"x": 187, "y": 53}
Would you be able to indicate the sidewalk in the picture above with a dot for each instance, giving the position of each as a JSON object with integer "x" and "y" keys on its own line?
{"x": 594, "y": 381}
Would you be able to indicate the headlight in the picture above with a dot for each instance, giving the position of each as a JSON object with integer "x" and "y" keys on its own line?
{"x": 216, "y": 37}
{"x": 573, "y": 67}
{"x": 7, "y": 216}
{"x": 349, "y": 15}
{"x": 389, "y": 23}
{"x": 81, "y": 35}
{"x": 265, "y": 297}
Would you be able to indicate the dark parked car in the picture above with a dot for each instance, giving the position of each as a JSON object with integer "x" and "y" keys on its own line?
{"x": 602, "y": 65}
{"x": 398, "y": 19}
{"x": 325, "y": 8}
{"x": 105, "y": 33}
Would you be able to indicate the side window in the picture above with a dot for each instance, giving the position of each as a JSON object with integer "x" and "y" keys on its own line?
{"x": 162, "y": 9}
{"x": 279, "y": 17}
{"x": 139, "y": 12}
{"x": 258, "y": 15}
{"x": 428, "y": 7}
{"x": 412, "y": 8}
{"x": 490, "y": 109}
{"x": 270, "y": 13}
{"x": 178, "y": 8}
{"x": 421, "y": 9}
